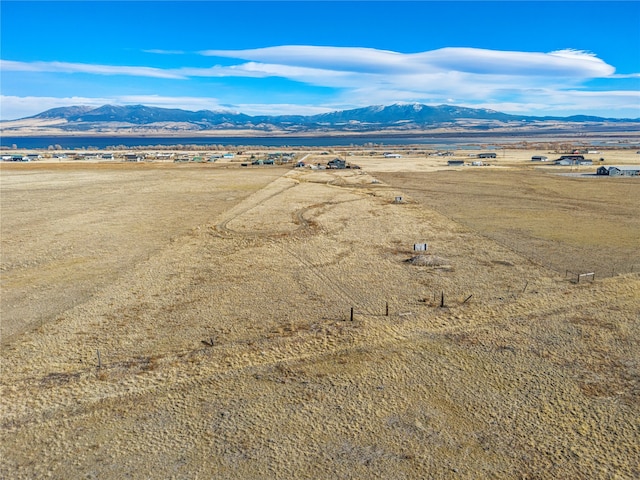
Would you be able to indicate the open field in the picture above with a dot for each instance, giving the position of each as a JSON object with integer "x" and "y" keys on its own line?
{"x": 573, "y": 224}
{"x": 69, "y": 230}
{"x": 186, "y": 321}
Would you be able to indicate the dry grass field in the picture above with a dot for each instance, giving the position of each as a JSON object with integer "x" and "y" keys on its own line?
{"x": 575, "y": 224}
{"x": 194, "y": 321}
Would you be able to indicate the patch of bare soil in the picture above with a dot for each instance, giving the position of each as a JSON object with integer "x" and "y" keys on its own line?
{"x": 428, "y": 261}
{"x": 283, "y": 334}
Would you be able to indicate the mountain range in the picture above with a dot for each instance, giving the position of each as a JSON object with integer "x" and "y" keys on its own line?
{"x": 396, "y": 118}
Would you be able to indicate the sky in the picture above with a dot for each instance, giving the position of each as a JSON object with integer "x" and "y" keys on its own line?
{"x": 306, "y": 57}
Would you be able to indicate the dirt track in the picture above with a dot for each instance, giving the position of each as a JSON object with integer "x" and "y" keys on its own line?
{"x": 226, "y": 348}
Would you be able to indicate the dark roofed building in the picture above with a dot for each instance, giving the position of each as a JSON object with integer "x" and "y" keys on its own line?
{"x": 619, "y": 171}
{"x": 337, "y": 163}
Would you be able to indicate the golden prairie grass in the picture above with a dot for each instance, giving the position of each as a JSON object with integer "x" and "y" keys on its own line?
{"x": 532, "y": 377}
{"x": 566, "y": 223}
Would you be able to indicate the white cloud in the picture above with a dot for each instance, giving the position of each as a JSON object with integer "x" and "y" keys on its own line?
{"x": 364, "y": 60}
{"x": 539, "y": 102}
{"x": 66, "y": 67}
{"x": 165, "y": 52}
{"x": 14, "y": 107}
{"x": 283, "y": 109}
{"x": 514, "y": 82}
{"x": 218, "y": 71}
{"x": 185, "y": 103}
{"x": 626, "y": 75}
{"x": 472, "y": 75}
{"x": 570, "y": 63}
{"x": 613, "y": 103}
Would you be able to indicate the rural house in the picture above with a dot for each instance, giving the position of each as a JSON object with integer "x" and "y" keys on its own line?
{"x": 337, "y": 163}
{"x": 570, "y": 160}
{"x": 573, "y": 160}
{"x": 565, "y": 162}
{"x": 618, "y": 171}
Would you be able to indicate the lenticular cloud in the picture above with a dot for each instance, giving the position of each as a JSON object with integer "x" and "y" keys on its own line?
{"x": 352, "y": 59}
{"x": 563, "y": 63}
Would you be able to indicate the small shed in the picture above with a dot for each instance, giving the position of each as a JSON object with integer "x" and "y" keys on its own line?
{"x": 455, "y": 163}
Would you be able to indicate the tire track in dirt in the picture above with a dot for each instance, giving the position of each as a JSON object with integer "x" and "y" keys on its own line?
{"x": 341, "y": 286}
{"x": 137, "y": 365}
{"x": 249, "y": 204}
{"x": 257, "y": 200}
{"x": 305, "y": 223}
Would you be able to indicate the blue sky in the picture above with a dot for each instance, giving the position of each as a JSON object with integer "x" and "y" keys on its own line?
{"x": 305, "y": 57}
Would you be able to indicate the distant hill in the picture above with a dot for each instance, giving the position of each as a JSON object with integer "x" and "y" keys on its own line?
{"x": 140, "y": 115}
{"x": 64, "y": 112}
{"x": 415, "y": 113}
{"x": 398, "y": 118}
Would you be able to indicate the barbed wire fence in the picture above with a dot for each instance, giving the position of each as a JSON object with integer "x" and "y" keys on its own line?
{"x": 574, "y": 261}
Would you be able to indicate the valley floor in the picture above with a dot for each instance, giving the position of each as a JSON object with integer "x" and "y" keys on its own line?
{"x": 229, "y": 323}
